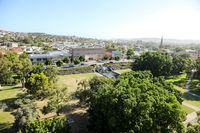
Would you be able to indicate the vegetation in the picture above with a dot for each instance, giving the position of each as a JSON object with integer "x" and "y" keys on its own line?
{"x": 76, "y": 70}
{"x": 130, "y": 102}
{"x": 130, "y": 53}
{"x": 77, "y": 61}
{"x": 117, "y": 66}
{"x": 58, "y": 97}
{"x": 59, "y": 63}
{"x": 55, "y": 125}
{"x": 25, "y": 114}
{"x": 117, "y": 58}
{"x": 66, "y": 60}
{"x": 82, "y": 58}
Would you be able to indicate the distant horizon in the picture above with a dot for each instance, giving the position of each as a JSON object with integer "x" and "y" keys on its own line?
{"x": 111, "y": 39}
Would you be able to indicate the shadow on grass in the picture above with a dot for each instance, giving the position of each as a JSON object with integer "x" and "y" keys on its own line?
{"x": 69, "y": 108}
{"x": 7, "y": 128}
{"x": 10, "y": 88}
{"x": 80, "y": 123}
{"x": 188, "y": 96}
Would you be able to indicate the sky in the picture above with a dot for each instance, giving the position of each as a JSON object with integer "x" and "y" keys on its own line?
{"x": 104, "y": 19}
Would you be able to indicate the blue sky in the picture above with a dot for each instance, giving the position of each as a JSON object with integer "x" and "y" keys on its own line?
{"x": 106, "y": 19}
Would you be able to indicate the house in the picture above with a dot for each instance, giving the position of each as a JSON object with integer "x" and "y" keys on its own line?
{"x": 89, "y": 53}
{"x": 11, "y": 44}
{"x": 6, "y": 52}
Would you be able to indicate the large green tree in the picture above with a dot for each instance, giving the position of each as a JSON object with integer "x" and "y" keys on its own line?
{"x": 130, "y": 53}
{"x": 159, "y": 63}
{"x": 38, "y": 85}
{"x": 22, "y": 68}
{"x": 135, "y": 103}
{"x": 181, "y": 63}
{"x": 6, "y": 71}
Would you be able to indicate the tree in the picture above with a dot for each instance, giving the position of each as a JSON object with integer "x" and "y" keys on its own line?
{"x": 82, "y": 58}
{"x": 59, "y": 63}
{"x": 48, "y": 61}
{"x": 66, "y": 60}
{"x": 49, "y": 125}
{"x": 77, "y": 62}
{"x": 159, "y": 63}
{"x": 38, "y": 85}
{"x": 197, "y": 66}
{"x": 117, "y": 58}
{"x": 130, "y": 53}
{"x": 6, "y": 71}
{"x": 26, "y": 113}
{"x": 105, "y": 57}
{"x": 135, "y": 102}
{"x": 13, "y": 57}
{"x": 58, "y": 98}
{"x": 22, "y": 68}
{"x": 181, "y": 63}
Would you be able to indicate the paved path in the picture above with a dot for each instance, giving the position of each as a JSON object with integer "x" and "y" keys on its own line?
{"x": 192, "y": 116}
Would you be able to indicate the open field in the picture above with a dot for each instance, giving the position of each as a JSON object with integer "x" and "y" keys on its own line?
{"x": 123, "y": 70}
{"x": 71, "y": 81}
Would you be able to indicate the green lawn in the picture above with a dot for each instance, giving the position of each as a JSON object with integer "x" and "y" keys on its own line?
{"x": 179, "y": 82}
{"x": 187, "y": 109}
{"x": 123, "y": 70}
{"x": 7, "y": 94}
{"x": 71, "y": 81}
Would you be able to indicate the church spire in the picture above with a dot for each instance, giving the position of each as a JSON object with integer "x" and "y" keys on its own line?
{"x": 161, "y": 44}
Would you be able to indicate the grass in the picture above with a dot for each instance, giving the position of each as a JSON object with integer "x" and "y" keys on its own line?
{"x": 70, "y": 81}
{"x": 187, "y": 109}
{"x": 9, "y": 92}
{"x": 7, "y": 95}
{"x": 123, "y": 70}
{"x": 179, "y": 82}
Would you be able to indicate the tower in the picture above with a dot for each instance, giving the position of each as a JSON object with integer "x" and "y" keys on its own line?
{"x": 161, "y": 44}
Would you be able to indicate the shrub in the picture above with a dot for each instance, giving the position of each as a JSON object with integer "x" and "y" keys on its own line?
{"x": 76, "y": 70}
{"x": 55, "y": 125}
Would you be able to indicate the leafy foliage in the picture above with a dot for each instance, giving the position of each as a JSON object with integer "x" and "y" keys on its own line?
{"x": 130, "y": 53}
{"x": 82, "y": 58}
{"x": 59, "y": 63}
{"x": 55, "y": 125}
{"x": 66, "y": 60}
{"x": 37, "y": 85}
{"x": 159, "y": 63}
{"x": 181, "y": 63}
{"x": 56, "y": 101}
{"x": 135, "y": 102}
{"x": 77, "y": 61}
{"x": 26, "y": 113}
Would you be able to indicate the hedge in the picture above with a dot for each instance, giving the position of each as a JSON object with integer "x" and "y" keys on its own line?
{"x": 117, "y": 66}
{"x": 75, "y": 70}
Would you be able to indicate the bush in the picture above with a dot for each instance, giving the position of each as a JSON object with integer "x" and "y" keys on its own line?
{"x": 117, "y": 66}
{"x": 76, "y": 70}
{"x": 77, "y": 62}
{"x": 55, "y": 125}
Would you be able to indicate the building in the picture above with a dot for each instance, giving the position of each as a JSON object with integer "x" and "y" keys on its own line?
{"x": 54, "y": 55}
{"x": 89, "y": 53}
{"x": 11, "y": 44}
{"x": 112, "y": 53}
